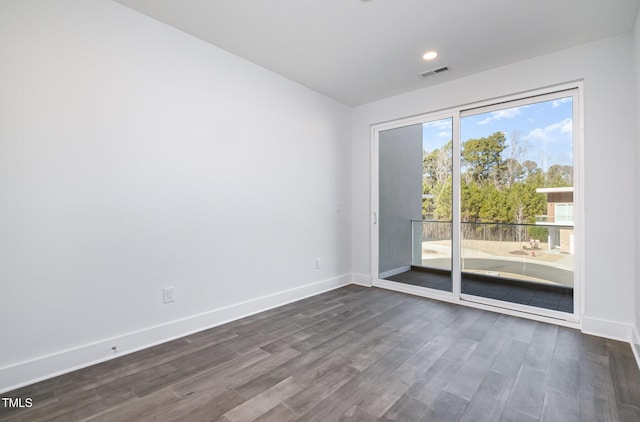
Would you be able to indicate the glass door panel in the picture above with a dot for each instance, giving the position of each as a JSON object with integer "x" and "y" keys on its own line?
{"x": 415, "y": 204}
{"x": 516, "y": 204}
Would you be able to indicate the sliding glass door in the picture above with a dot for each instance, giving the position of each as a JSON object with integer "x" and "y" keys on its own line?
{"x": 480, "y": 204}
{"x": 415, "y": 204}
{"x": 516, "y": 212}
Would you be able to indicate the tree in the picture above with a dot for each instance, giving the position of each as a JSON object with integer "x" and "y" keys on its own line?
{"x": 559, "y": 176}
{"x": 482, "y": 156}
{"x": 428, "y": 203}
{"x": 437, "y": 164}
{"x": 524, "y": 203}
{"x": 493, "y": 206}
{"x": 513, "y": 172}
{"x": 437, "y": 167}
{"x": 532, "y": 173}
{"x": 444, "y": 201}
{"x": 471, "y": 201}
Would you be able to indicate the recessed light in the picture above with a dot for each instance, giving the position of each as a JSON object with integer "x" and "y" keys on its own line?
{"x": 430, "y": 55}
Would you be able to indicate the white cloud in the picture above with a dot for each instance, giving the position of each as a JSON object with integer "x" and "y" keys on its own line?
{"x": 445, "y": 134}
{"x": 507, "y": 113}
{"x": 559, "y": 102}
{"x": 537, "y": 134}
{"x": 443, "y": 124}
{"x": 549, "y": 133}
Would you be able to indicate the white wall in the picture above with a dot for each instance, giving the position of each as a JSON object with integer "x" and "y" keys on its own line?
{"x": 636, "y": 69}
{"x": 610, "y": 163}
{"x": 133, "y": 157}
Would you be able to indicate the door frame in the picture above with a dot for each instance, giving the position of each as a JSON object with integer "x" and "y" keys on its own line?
{"x": 456, "y": 296}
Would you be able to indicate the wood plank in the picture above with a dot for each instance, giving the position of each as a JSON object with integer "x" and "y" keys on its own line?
{"x": 250, "y": 342}
{"x": 514, "y": 415}
{"x": 467, "y": 379}
{"x": 447, "y": 407}
{"x": 490, "y": 399}
{"x": 416, "y": 366}
{"x": 383, "y": 396}
{"x": 560, "y": 407}
{"x": 435, "y": 379}
{"x": 529, "y": 392}
{"x": 625, "y": 376}
{"x": 320, "y": 389}
{"x": 568, "y": 343}
{"x": 212, "y": 377}
{"x": 346, "y": 343}
{"x": 202, "y": 408}
{"x": 628, "y": 413}
{"x": 543, "y": 344}
{"x": 232, "y": 375}
{"x": 161, "y": 376}
{"x": 597, "y": 394}
{"x": 357, "y": 414}
{"x": 352, "y": 392}
{"x": 280, "y": 413}
{"x": 407, "y": 409}
{"x": 263, "y": 402}
{"x": 564, "y": 376}
{"x": 150, "y": 405}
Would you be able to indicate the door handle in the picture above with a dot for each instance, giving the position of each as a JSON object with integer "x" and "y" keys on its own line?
{"x": 375, "y": 218}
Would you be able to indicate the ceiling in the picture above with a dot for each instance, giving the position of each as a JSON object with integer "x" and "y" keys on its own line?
{"x": 358, "y": 51}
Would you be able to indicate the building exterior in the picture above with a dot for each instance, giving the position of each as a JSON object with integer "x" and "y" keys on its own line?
{"x": 559, "y": 218}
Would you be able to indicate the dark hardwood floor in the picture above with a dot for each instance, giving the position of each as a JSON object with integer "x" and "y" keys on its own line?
{"x": 360, "y": 354}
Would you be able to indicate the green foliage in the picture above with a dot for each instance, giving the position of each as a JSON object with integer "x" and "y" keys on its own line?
{"x": 539, "y": 233}
{"x": 511, "y": 172}
{"x": 472, "y": 200}
{"x": 482, "y": 156}
{"x": 531, "y": 172}
{"x": 437, "y": 167}
{"x": 444, "y": 201}
{"x": 493, "y": 204}
{"x": 559, "y": 176}
{"x": 493, "y": 189}
{"x": 524, "y": 203}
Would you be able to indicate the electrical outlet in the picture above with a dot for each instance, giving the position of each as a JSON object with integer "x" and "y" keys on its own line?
{"x": 168, "y": 294}
{"x": 318, "y": 263}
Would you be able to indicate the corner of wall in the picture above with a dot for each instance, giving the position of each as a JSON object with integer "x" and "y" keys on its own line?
{"x": 614, "y": 330}
{"x": 361, "y": 280}
{"x": 635, "y": 345}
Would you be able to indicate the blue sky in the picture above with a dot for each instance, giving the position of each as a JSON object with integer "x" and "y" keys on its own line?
{"x": 543, "y": 131}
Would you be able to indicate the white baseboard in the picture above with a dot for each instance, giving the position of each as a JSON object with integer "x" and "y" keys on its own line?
{"x": 613, "y": 330}
{"x": 361, "y": 280}
{"x": 395, "y": 271}
{"x": 635, "y": 345}
{"x": 27, "y": 372}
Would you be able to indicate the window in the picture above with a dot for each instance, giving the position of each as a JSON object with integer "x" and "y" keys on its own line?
{"x": 564, "y": 213}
